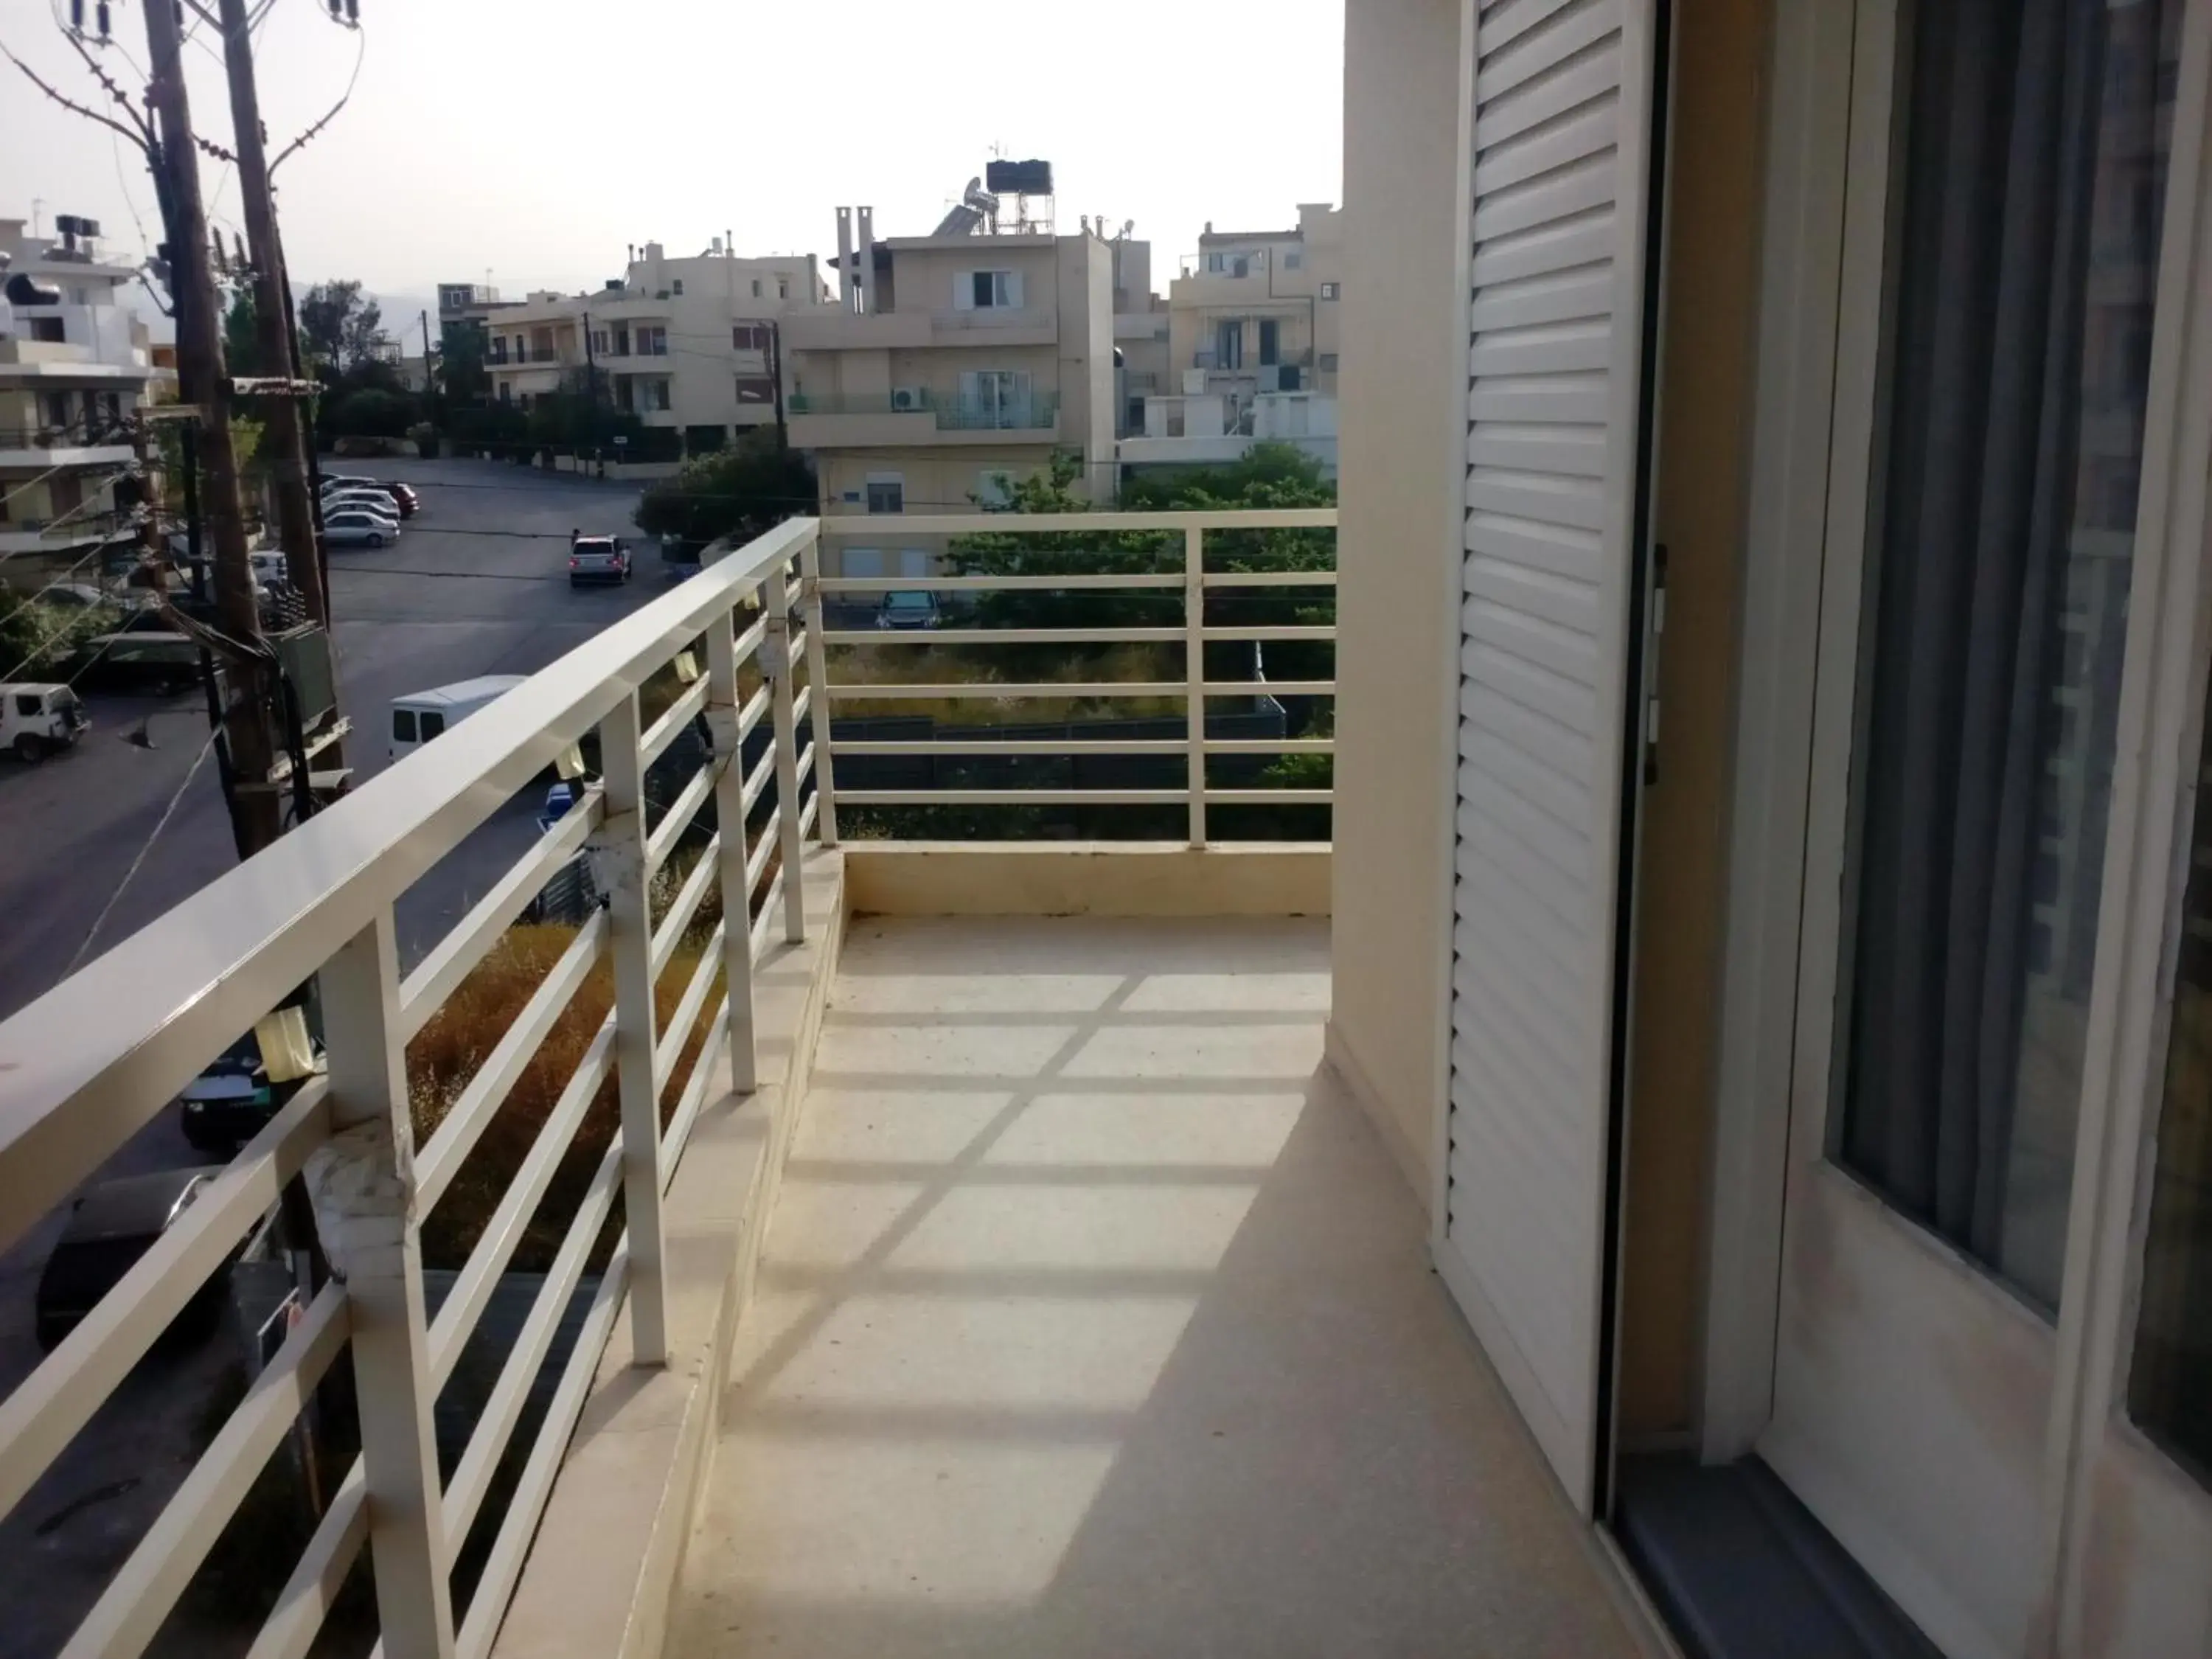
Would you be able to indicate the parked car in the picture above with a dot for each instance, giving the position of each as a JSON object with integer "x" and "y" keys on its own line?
{"x": 348, "y": 481}
{"x": 375, "y": 502}
{"x": 229, "y": 1102}
{"x": 75, "y": 596}
{"x": 910, "y": 609}
{"x": 109, "y": 1227}
{"x": 597, "y": 559}
{"x": 356, "y": 527}
{"x": 403, "y": 498}
{"x": 156, "y": 658}
{"x": 419, "y": 716}
{"x": 37, "y": 720}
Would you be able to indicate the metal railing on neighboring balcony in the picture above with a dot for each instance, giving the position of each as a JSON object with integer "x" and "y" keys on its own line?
{"x": 81, "y": 431}
{"x": 1179, "y": 573}
{"x": 89, "y": 1064}
{"x": 1036, "y": 412}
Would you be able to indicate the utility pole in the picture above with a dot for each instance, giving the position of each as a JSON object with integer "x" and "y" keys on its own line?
{"x": 295, "y": 511}
{"x": 205, "y": 383}
{"x": 775, "y": 374}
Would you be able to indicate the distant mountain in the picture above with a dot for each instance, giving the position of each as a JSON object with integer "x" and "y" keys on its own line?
{"x": 402, "y": 314}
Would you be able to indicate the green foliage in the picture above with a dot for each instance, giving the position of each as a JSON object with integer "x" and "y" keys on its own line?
{"x": 37, "y": 639}
{"x": 241, "y": 347}
{"x": 462, "y": 376}
{"x": 500, "y": 427}
{"x": 369, "y": 411}
{"x": 339, "y": 329}
{"x": 577, "y": 417}
{"x": 741, "y": 491}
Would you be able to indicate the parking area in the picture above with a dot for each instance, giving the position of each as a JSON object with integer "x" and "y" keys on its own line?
{"x": 476, "y": 584}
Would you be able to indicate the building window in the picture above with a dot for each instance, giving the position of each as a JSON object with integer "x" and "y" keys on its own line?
{"x": 757, "y": 293}
{"x": 653, "y": 340}
{"x": 995, "y": 488}
{"x": 678, "y": 287}
{"x": 749, "y": 336}
{"x": 507, "y": 391}
{"x": 656, "y": 396}
{"x": 756, "y": 389}
{"x": 622, "y": 341}
{"x": 989, "y": 290}
{"x": 1329, "y": 363}
{"x": 48, "y": 329}
{"x": 1134, "y": 418}
{"x": 886, "y": 492}
{"x": 783, "y": 288}
{"x": 1229, "y": 345}
{"x": 1228, "y": 265}
{"x": 1329, "y": 291}
{"x": 599, "y": 341}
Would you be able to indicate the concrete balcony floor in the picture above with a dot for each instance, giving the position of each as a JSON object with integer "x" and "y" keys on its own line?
{"x": 1093, "y": 1321}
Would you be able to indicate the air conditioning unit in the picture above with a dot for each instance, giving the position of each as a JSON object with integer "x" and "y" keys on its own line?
{"x": 909, "y": 400}
{"x": 1270, "y": 377}
{"x": 1193, "y": 382}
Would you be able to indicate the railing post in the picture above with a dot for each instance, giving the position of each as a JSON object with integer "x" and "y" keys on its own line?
{"x": 775, "y": 663}
{"x": 1193, "y": 615}
{"x": 725, "y": 701}
{"x": 620, "y": 845}
{"x": 818, "y": 677}
{"x": 362, "y": 1179}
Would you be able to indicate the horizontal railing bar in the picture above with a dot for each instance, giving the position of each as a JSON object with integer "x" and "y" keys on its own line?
{"x": 670, "y": 933}
{"x": 450, "y": 1142}
{"x": 1270, "y": 745}
{"x": 1008, "y": 746}
{"x": 1005, "y": 636}
{"x": 320, "y": 1574}
{"x": 677, "y": 715}
{"x": 763, "y": 852}
{"x": 1270, "y": 579}
{"x": 677, "y": 817}
{"x": 798, "y": 652}
{"x": 437, "y": 975}
{"x": 765, "y": 923}
{"x": 138, "y": 1599}
{"x": 1269, "y": 688}
{"x": 141, "y": 1019}
{"x": 850, "y": 526}
{"x": 806, "y": 818}
{"x": 748, "y": 642}
{"x": 465, "y": 1304}
{"x": 685, "y": 1019}
{"x": 1083, "y": 690}
{"x": 1174, "y": 580}
{"x": 1272, "y": 631}
{"x": 694, "y": 1093}
{"x": 806, "y": 762}
{"x": 1013, "y": 797}
{"x": 503, "y": 1566}
{"x": 1269, "y": 797}
{"x": 757, "y": 779}
{"x": 45, "y": 1411}
{"x": 495, "y": 1422}
{"x": 801, "y": 703}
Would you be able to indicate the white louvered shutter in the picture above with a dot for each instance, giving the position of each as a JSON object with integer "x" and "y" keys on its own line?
{"x": 1562, "y": 166}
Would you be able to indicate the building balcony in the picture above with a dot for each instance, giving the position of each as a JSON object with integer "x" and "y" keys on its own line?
{"x": 546, "y": 357}
{"x": 60, "y": 361}
{"x": 835, "y": 329}
{"x": 97, "y": 442}
{"x": 846, "y": 421}
{"x": 1001, "y": 1268}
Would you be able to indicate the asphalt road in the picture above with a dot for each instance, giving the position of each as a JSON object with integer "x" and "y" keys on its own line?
{"x": 476, "y": 584}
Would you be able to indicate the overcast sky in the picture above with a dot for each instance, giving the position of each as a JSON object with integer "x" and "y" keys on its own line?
{"x": 537, "y": 140}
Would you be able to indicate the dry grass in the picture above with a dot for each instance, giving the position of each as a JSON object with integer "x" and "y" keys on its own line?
{"x": 927, "y": 665}
{"x": 448, "y": 1050}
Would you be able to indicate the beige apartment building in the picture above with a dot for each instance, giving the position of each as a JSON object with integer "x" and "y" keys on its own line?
{"x": 1250, "y": 348}
{"x": 960, "y": 363}
{"x": 74, "y": 362}
{"x": 682, "y": 343}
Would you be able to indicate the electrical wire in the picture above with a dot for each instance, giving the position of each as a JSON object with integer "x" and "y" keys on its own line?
{"x": 167, "y": 812}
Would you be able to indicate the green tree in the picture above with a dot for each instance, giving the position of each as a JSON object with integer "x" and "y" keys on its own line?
{"x": 241, "y": 347}
{"x": 742, "y": 491}
{"x": 462, "y": 376}
{"x": 369, "y": 411}
{"x": 341, "y": 330}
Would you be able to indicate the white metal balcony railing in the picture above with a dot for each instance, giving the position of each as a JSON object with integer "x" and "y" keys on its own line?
{"x": 91, "y": 1063}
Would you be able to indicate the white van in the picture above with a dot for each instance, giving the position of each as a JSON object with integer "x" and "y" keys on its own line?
{"x": 422, "y": 716}
{"x": 39, "y": 720}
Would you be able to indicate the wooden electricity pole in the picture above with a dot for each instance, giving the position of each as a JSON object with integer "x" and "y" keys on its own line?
{"x": 204, "y": 381}
{"x": 295, "y": 511}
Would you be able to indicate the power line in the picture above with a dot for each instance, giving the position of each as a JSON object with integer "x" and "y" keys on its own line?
{"x": 167, "y": 812}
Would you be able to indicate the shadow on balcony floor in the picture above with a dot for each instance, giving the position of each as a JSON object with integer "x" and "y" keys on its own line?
{"x": 1093, "y": 1321}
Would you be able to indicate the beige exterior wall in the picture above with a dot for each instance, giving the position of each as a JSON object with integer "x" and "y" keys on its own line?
{"x": 1402, "y": 483}
{"x": 845, "y": 368}
{"x": 1285, "y": 284}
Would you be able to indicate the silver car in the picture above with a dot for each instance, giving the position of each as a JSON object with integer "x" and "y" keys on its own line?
{"x": 352, "y": 526}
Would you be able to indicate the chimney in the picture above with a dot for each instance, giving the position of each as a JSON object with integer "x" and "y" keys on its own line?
{"x": 846, "y": 269}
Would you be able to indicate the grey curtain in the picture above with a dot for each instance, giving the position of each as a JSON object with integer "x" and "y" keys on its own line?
{"x": 1974, "y": 503}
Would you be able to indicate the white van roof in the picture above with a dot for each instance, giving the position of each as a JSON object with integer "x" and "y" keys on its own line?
{"x": 31, "y": 687}
{"x": 479, "y": 690}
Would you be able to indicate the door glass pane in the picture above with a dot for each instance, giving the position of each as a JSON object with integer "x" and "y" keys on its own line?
{"x": 2028, "y": 197}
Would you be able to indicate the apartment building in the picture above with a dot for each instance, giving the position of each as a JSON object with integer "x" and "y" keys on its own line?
{"x": 958, "y": 363}
{"x": 688, "y": 343}
{"x": 1252, "y": 330}
{"x": 73, "y": 364}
